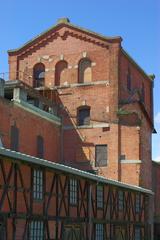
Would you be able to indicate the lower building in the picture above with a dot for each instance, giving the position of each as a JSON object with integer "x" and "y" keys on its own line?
{"x": 40, "y": 199}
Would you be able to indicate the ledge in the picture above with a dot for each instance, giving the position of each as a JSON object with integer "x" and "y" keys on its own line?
{"x": 96, "y": 125}
{"x": 131, "y": 161}
{"x": 37, "y": 111}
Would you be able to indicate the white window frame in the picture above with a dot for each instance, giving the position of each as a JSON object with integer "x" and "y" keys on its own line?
{"x": 37, "y": 184}
{"x": 100, "y": 196}
{"x": 99, "y": 231}
{"x": 73, "y": 193}
{"x": 36, "y": 230}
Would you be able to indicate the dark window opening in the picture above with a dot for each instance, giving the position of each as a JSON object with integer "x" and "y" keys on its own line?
{"x": 37, "y": 184}
{"x": 100, "y": 196}
{"x": 14, "y": 138}
{"x": 129, "y": 80}
{"x": 40, "y": 147}
{"x": 83, "y": 116}
{"x": 39, "y": 75}
{"x": 101, "y": 155}
{"x": 73, "y": 193}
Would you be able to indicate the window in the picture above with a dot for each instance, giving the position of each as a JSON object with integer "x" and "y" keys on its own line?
{"x": 100, "y": 196}
{"x": 137, "y": 203}
{"x": 73, "y": 191}
{"x": 143, "y": 93}
{"x": 37, "y": 184}
{"x": 85, "y": 71}
{"x": 101, "y": 155}
{"x": 129, "y": 80}
{"x": 14, "y": 138}
{"x": 83, "y": 116}
{"x": 60, "y": 72}
{"x": 39, "y": 75}
{"x": 40, "y": 147}
{"x": 137, "y": 233}
{"x": 120, "y": 200}
{"x": 36, "y": 230}
{"x": 99, "y": 232}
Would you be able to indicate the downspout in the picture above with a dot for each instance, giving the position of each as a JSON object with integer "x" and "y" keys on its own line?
{"x": 89, "y": 211}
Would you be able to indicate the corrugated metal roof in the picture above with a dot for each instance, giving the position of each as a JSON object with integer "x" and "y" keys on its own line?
{"x": 59, "y": 167}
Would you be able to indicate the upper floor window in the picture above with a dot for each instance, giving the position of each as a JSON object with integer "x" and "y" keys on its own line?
{"x": 101, "y": 155}
{"x": 83, "y": 115}
{"x": 60, "y": 72}
{"x": 36, "y": 230}
{"x": 39, "y": 75}
{"x": 73, "y": 191}
{"x": 129, "y": 79}
{"x": 100, "y": 196}
{"x": 14, "y": 138}
{"x": 85, "y": 71}
{"x": 40, "y": 147}
{"x": 37, "y": 184}
{"x": 99, "y": 231}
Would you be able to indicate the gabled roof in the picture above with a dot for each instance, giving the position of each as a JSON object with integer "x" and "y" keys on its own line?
{"x": 66, "y": 22}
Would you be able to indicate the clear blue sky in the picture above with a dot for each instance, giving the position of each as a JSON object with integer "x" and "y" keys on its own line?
{"x": 137, "y": 21}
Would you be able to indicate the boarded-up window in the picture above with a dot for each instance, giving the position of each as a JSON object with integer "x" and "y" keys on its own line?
{"x": 83, "y": 116}
{"x": 40, "y": 147}
{"x": 14, "y": 138}
{"x": 85, "y": 71}
{"x": 60, "y": 73}
{"x": 101, "y": 155}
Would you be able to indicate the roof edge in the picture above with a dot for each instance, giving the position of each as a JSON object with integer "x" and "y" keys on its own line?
{"x": 65, "y": 23}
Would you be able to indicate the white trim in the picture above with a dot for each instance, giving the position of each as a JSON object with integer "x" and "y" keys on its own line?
{"x": 130, "y": 161}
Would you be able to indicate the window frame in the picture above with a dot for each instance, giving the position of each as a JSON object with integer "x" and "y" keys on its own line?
{"x": 14, "y": 138}
{"x": 99, "y": 231}
{"x": 33, "y": 233}
{"x": 106, "y": 160}
{"x": 73, "y": 191}
{"x": 37, "y": 184}
{"x": 38, "y": 81}
{"x": 81, "y": 64}
{"x": 139, "y": 233}
{"x": 79, "y": 116}
{"x": 100, "y": 196}
{"x": 137, "y": 203}
{"x": 121, "y": 200}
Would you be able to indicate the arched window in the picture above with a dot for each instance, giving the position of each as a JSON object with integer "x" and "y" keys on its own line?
{"x": 85, "y": 71}
{"x": 39, "y": 75}
{"x": 83, "y": 115}
{"x": 60, "y": 72}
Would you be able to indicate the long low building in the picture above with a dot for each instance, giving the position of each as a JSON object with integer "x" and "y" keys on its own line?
{"x": 40, "y": 199}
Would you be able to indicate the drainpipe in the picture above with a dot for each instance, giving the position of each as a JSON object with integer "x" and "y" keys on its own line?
{"x": 89, "y": 211}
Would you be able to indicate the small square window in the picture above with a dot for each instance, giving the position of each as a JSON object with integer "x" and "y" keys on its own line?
{"x": 37, "y": 184}
{"x": 120, "y": 200}
{"x": 73, "y": 191}
{"x": 36, "y": 230}
{"x": 99, "y": 231}
{"x": 99, "y": 196}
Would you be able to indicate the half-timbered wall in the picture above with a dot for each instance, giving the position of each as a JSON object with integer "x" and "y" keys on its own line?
{"x": 119, "y": 214}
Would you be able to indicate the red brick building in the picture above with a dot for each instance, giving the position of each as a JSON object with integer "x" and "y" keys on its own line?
{"x": 103, "y": 100}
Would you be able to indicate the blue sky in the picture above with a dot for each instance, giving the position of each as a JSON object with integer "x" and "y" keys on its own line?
{"x": 136, "y": 21}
